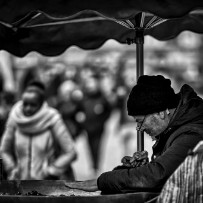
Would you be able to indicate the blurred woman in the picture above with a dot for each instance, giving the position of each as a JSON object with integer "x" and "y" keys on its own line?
{"x": 36, "y": 143}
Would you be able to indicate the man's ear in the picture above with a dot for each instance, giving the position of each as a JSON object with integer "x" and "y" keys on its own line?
{"x": 167, "y": 111}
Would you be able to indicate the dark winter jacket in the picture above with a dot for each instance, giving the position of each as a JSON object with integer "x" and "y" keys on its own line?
{"x": 183, "y": 132}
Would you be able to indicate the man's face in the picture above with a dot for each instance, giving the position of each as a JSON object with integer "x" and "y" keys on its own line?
{"x": 152, "y": 124}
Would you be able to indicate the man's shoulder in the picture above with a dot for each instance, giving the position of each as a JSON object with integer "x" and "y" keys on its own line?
{"x": 188, "y": 132}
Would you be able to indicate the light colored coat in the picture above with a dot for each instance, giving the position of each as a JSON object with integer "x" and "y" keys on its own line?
{"x": 29, "y": 145}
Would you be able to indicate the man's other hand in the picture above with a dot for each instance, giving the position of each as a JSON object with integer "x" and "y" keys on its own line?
{"x": 88, "y": 185}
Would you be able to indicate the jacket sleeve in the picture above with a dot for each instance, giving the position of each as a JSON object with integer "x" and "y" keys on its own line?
{"x": 7, "y": 146}
{"x": 64, "y": 141}
{"x": 153, "y": 175}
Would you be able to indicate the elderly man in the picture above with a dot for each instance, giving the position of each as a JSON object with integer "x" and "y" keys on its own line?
{"x": 175, "y": 121}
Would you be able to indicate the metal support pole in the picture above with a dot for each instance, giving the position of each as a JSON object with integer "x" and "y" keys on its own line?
{"x": 1, "y": 170}
{"x": 139, "y": 40}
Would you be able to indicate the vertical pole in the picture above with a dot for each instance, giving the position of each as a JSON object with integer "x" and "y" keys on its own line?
{"x": 139, "y": 40}
{"x": 1, "y": 170}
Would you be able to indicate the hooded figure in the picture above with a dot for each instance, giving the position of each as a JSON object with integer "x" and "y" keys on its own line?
{"x": 175, "y": 121}
{"x": 36, "y": 144}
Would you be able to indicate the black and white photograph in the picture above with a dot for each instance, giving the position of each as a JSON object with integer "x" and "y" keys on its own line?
{"x": 101, "y": 101}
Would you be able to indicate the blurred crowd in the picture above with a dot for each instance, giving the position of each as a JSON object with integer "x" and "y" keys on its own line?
{"x": 87, "y": 94}
{"x": 85, "y": 98}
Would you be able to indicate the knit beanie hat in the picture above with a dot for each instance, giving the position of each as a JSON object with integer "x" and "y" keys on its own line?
{"x": 151, "y": 94}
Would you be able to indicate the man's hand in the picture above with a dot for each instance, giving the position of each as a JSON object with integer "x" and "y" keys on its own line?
{"x": 138, "y": 159}
{"x": 88, "y": 185}
{"x": 127, "y": 160}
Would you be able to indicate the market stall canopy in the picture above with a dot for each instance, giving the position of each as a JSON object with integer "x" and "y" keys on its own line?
{"x": 51, "y": 26}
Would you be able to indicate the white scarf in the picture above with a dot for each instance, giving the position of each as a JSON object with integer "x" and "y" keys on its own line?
{"x": 36, "y": 123}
